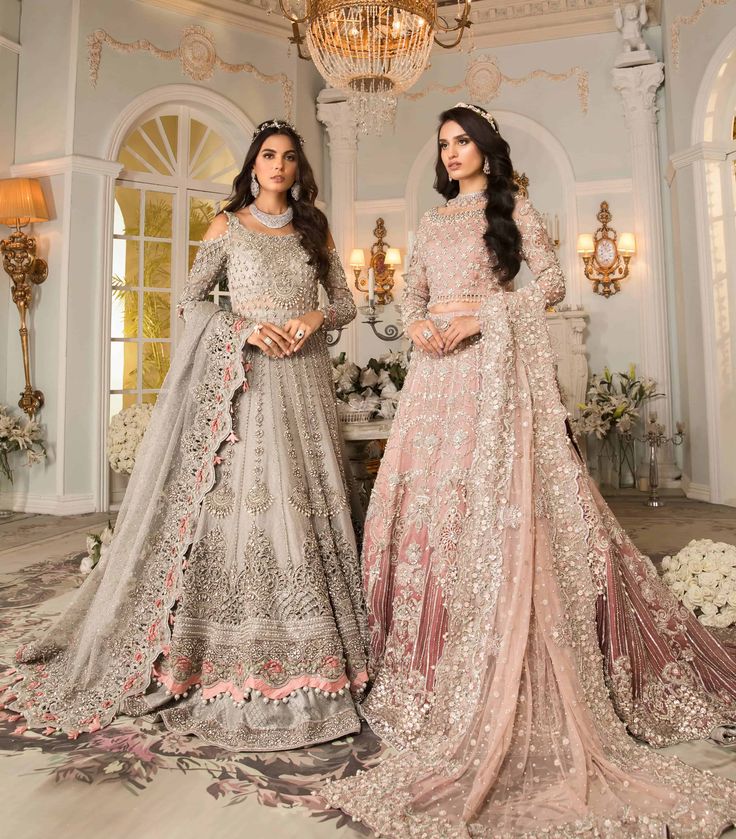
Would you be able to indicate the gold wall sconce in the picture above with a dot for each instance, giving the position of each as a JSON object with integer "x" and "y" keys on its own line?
{"x": 606, "y": 256}
{"x": 21, "y": 203}
{"x": 379, "y": 281}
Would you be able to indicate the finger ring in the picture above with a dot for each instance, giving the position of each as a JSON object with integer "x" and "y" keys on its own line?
{"x": 267, "y": 341}
{"x": 427, "y": 334}
{"x": 300, "y": 334}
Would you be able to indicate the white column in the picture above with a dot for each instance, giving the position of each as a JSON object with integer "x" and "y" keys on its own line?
{"x": 638, "y": 88}
{"x": 335, "y": 114}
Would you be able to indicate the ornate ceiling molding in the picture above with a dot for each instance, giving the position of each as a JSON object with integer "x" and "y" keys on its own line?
{"x": 496, "y": 22}
{"x": 197, "y": 53}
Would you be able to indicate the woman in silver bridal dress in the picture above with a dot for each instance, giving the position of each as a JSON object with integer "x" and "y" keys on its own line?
{"x": 231, "y": 600}
{"x": 523, "y": 652}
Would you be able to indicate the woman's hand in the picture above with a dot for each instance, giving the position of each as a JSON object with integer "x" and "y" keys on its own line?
{"x": 272, "y": 340}
{"x": 460, "y": 328}
{"x": 300, "y": 329}
{"x": 427, "y": 337}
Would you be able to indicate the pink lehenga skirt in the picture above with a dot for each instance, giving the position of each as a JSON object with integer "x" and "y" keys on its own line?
{"x": 518, "y": 637}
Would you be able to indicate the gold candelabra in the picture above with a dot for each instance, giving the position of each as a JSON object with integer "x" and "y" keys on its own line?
{"x": 22, "y": 202}
{"x": 379, "y": 280}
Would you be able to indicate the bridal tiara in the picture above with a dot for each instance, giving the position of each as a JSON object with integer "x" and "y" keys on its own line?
{"x": 278, "y": 123}
{"x": 481, "y": 113}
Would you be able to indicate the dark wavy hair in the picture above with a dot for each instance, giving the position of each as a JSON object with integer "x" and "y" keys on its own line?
{"x": 502, "y": 236}
{"x": 309, "y": 222}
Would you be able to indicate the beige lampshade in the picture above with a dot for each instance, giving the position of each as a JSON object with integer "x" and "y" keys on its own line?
{"x": 357, "y": 258}
{"x": 586, "y": 244}
{"x": 627, "y": 244}
{"x": 393, "y": 256}
{"x": 22, "y": 201}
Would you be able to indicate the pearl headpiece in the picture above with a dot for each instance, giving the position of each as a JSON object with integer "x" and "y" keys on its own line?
{"x": 278, "y": 123}
{"x": 481, "y": 113}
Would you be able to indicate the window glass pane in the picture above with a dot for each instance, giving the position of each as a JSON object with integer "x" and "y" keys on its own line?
{"x": 127, "y": 221}
{"x": 192, "y": 254}
{"x": 145, "y": 151}
{"x": 124, "y": 312}
{"x": 159, "y": 210}
{"x": 201, "y": 213}
{"x": 170, "y": 124}
{"x": 116, "y": 404}
{"x": 157, "y": 264}
{"x": 124, "y": 365}
{"x": 156, "y": 314}
{"x": 150, "y": 398}
{"x": 210, "y": 159}
{"x": 155, "y": 364}
{"x": 125, "y": 262}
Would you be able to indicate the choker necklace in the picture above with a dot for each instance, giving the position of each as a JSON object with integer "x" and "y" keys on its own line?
{"x": 274, "y": 222}
{"x": 467, "y": 198}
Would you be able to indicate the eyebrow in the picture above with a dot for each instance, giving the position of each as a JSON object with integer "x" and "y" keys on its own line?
{"x": 273, "y": 151}
{"x": 456, "y": 137}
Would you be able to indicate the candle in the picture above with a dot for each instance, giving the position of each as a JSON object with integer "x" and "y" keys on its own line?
{"x": 680, "y": 427}
{"x": 371, "y": 286}
{"x": 557, "y": 228}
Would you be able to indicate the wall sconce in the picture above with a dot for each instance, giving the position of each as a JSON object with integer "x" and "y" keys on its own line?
{"x": 21, "y": 203}
{"x": 379, "y": 282}
{"x": 606, "y": 256}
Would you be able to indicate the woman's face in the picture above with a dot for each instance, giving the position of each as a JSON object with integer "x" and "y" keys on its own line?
{"x": 276, "y": 163}
{"x": 460, "y": 156}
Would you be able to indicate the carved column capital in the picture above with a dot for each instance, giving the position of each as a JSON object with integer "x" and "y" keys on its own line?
{"x": 334, "y": 112}
{"x": 638, "y": 87}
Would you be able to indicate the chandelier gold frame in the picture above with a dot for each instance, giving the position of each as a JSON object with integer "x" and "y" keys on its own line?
{"x": 606, "y": 265}
{"x": 325, "y": 17}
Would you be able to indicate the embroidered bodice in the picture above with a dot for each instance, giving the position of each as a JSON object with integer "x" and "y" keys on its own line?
{"x": 268, "y": 276}
{"x": 450, "y": 261}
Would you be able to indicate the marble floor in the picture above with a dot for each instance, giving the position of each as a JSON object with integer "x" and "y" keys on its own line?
{"x": 134, "y": 779}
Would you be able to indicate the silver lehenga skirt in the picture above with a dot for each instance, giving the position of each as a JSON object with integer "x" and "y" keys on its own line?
{"x": 268, "y": 640}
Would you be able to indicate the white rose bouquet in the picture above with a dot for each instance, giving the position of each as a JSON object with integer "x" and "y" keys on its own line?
{"x": 19, "y": 435}
{"x": 124, "y": 436}
{"x": 97, "y": 546}
{"x": 703, "y": 577}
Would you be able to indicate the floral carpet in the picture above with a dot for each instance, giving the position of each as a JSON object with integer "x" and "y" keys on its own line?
{"x": 135, "y": 778}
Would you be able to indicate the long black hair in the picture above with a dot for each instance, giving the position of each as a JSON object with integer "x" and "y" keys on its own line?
{"x": 502, "y": 236}
{"x": 309, "y": 222}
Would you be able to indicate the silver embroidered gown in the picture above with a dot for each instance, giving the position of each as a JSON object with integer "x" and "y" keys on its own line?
{"x": 239, "y": 614}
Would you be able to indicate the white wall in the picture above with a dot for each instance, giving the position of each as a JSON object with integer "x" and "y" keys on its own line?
{"x": 703, "y": 282}
{"x": 9, "y": 30}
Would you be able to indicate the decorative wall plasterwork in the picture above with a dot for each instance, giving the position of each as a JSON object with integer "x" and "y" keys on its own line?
{"x": 484, "y": 78}
{"x": 496, "y": 22}
{"x": 197, "y": 53}
{"x": 688, "y": 20}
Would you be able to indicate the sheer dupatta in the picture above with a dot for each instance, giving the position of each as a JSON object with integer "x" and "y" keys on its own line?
{"x": 524, "y": 739}
{"x": 78, "y": 674}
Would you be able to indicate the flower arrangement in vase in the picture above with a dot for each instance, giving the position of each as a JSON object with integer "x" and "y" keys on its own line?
{"x": 611, "y": 412}
{"x": 19, "y": 435}
{"x": 373, "y": 390}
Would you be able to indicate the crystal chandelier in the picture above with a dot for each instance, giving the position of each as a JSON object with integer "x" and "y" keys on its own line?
{"x": 372, "y": 50}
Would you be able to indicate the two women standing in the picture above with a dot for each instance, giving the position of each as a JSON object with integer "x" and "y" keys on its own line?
{"x": 518, "y": 641}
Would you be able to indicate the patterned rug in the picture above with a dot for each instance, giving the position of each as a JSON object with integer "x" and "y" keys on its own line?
{"x": 134, "y": 778}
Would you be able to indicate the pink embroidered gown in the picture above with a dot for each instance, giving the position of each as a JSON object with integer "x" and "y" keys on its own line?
{"x": 521, "y": 647}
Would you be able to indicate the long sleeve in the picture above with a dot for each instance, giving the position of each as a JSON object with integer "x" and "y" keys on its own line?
{"x": 539, "y": 253}
{"x": 340, "y": 309}
{"x": 416, "y": 288}
{"x": 210, "y": 266}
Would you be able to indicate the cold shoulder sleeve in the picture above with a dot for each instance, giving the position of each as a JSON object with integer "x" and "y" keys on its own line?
{"x": 416, "y": 286}
{"x": 538, "y": 253}
{"x": 210, "y": 266}
{"x": 340, "y": 309}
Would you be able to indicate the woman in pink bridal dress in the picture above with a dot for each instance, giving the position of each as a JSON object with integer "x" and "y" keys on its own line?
{"x": 524, "y": 654}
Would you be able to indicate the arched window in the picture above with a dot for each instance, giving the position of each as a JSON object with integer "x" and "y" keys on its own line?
{"x": 177, "y": 168}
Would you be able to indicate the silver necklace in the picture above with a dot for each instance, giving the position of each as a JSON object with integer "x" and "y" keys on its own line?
{"x": 274, "y": 222}
{"x": 466, "y": 198}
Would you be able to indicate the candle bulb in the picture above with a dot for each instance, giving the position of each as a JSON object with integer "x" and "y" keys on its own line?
{"x": 653, "y": 416}
{"x": 371, "y": 286}
{"x": 680, "y": 426}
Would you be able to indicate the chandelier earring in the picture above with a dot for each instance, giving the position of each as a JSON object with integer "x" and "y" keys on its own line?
{"x": 255, "y": 187}
{"x": 486, "y": 167}
{"x": 296, "y": 191}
